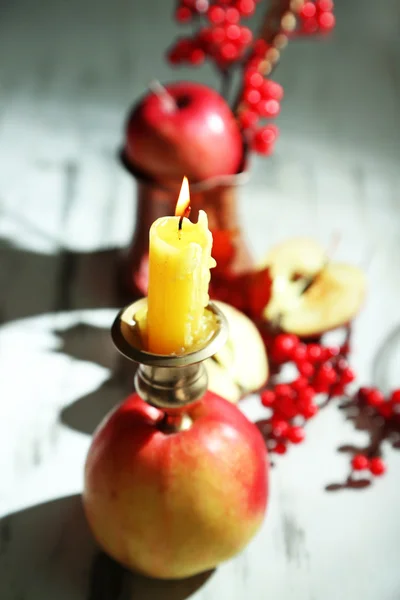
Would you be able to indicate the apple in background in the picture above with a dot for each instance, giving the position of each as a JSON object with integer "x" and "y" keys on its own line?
{"x": 171, "y": 505}
{"x": 241, "y": 366}
{"x": 310, "y": 294}
{"x": 183, "y": 129}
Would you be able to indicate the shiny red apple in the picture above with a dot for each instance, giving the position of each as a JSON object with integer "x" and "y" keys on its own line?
{"x": 170, "y": 505}
{"x": 183, "y": 129}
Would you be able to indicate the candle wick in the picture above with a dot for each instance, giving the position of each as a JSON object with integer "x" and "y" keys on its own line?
{"x": 185, "y": 214}
{"x": 157, "y": 88}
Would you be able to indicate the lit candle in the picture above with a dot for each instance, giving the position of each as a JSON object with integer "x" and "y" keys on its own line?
{"x": 179, "y": 274}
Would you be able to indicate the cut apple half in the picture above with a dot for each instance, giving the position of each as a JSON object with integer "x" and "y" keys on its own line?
{"x": 296, "y": 257}
{"x": 241, "y": 366}
{"x": 333, "y": 299}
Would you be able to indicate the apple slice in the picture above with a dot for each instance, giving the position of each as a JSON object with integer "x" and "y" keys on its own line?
{"x": 241, "y": 366}
{"x": 220, "y": 381}
{"x": 300, "y": 256}
{"x": 333, "y": 299}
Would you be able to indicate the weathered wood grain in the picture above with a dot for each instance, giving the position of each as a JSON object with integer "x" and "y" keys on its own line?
{"x": 68, "y": 72}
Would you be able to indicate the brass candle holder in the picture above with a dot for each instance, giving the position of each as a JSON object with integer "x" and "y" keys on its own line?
{"x": 168, "y": 382}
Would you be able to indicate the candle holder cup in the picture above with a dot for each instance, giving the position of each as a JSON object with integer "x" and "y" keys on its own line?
{"x": 174, "y": 382}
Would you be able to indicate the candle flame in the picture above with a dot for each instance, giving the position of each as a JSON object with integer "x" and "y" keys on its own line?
{"x": 183, "y": 204}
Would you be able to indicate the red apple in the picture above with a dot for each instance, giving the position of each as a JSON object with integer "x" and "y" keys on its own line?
{"x": 187, "y": 129}
{"x": 170, "y": 505}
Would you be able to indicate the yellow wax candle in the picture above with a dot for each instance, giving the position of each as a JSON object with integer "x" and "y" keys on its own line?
{"x": 179, "y": 274}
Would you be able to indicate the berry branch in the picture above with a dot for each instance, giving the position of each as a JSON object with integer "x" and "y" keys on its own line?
{"x": 220, "y": 37}
{"x": 324, "y": 375}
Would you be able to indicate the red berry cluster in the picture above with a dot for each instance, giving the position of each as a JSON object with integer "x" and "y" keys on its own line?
{"x": 260, "y": 100}
{"x": 375, "y": 465}
{"x": 385, "y": 407}
{"x": 316, "y": 17}
{"x": 222, "y": 39}
{"x": 372, "y": 400}
{"x": 322, "y": 370}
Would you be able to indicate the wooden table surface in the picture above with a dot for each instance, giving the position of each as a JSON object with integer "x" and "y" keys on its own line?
{"x": 68, "y": 72}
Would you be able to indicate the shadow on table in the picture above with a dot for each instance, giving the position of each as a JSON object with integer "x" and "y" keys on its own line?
{"x": 47, "y": 551}
{"x": 88, "y": 343}
{"x": 33, "y": 283}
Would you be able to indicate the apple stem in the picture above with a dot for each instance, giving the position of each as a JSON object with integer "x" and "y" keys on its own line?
{"x": 157, "y": 88}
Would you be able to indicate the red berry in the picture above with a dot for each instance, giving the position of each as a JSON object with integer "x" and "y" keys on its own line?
{"x": 183, "y": 14}
{"x": 299, "y": 384}
{"x": 326, "y": 374}
{"x": 360, "y": 462}
{"x": 306, "y": 369}
{"x": 386, "y": 410}
{"x": 314, "y": 353}
{"x": 266, "y": 134}
{"x": 283, "y": 390}
{"x": 173, "y": 57}
{"x": 268, "y": 108}
{"x": 307, "y": 395}
{"x": 267, "y": 398}
{"x": 253, "y": 79}
{"x": 326, "y": 21}
{"x": 309, "y": 411}
{"x": 279, "y": 427}
{"x": 295, "y": 435}
{"x": 272, "y": 90}
{"x": 321, "y": 387}
{"x": 205, "y": 37}
{"x": 218, "y": 35}
{"x": 395, "y": 397}
{"x": 216, "y": 14}
{"x": 325, "y": 5}
{"x": 197, "y": 56}
{"x": 284, "y": 347}
{"x": 180, "y": 51}
{"x": 261, "y": 147}
{"x": 308, "y": 10}
{"x": 347, "y": 375}
{"x": 300, "y": 353}
{"x": 246, "y": 36}
{"x": 229, "y": 51}
{"x": 232, "y": 33}
{"x": 363, "y": 392}
{"x": 260, "y": 48}
{"x": 337, "y": 390}
{"x": 246, "y": 7}
{"x": 286, "y": 407}
{"x": 232, "y": 15}
{"x": 330, "y": 352}
{"x": 251, "y": 97}
{"x": 248, "y": 119}
{"x": 309, "y": 26}
{"x": 264, "y": 140}
{"x": 280, "y": 448}
{"x": 201, "y": 6}
{"x": 374, "y": 397}
{"x": 377, "y": 466}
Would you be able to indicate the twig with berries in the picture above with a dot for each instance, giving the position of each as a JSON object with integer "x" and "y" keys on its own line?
{"x": 221, "y": 38}
{"x": 371, "y": 412}
{"x": 323, "y": 374}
